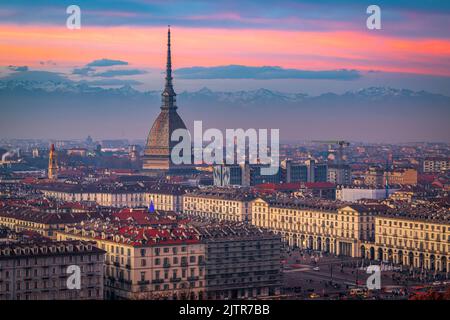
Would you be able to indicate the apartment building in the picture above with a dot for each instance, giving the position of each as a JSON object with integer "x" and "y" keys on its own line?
{"x": 419, "y": 242}
{"x": 242, "y": 261}
{"x": 415, "y": 236}
{"x": 401, "y": 176}
{"x": 163, "y": 196}
{"x": 147, "y": 262}
{"x": 20, "y": 218}
{"x": 435, "y": 165}
{"x": 219, "y": 204}
{"x": 319, "y": 225}
{"x": 39, "y": 270}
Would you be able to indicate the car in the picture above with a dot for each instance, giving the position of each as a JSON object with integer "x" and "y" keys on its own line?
{"x": 316, "y": 269}
{"x": 356, "y": 292}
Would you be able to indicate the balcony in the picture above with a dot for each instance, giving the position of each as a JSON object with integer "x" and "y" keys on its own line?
{"x": 184, "y": 263}
{"x": 193, "y": 278}
{"x": 143, "y": 282}
{"x": 175, "y": 279}
{"x": 166, "y": 265}
{"x": 156, "y": 281}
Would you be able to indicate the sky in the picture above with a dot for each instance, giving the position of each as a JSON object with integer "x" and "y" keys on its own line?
{"x": 312, "y": 46}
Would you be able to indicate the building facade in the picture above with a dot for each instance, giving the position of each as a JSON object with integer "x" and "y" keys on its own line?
{"x": 218, "y": 204}
{"x": 147, "y": 262}
{"x": 39, "y": 271}
{"x": 163, "y": 196}
{"x": 318, "y": 226}
{"x": 44, "y": 223}
{"x": 353, "y": 194}
{"x": 412, "y": 242}
{"x": 309, "y": 171}
{"x": 339, "y": 174}
{"x": 242, "y": 261}
{"x": 435, "y": 165}
{"x": 371, "y": 232}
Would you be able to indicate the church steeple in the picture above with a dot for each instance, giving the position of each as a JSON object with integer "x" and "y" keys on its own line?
{"x": 168, "y": 95}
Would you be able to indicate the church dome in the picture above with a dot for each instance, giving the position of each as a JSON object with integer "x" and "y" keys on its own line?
{"x": 161, "y": 131}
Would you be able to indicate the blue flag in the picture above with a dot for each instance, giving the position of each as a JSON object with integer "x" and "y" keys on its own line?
{"x": 151, "y": 207}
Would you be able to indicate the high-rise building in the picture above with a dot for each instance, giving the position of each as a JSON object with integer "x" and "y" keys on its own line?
{"x": 231, "y": 175}
{"x": 157, "y": 154}
{"x": 243, "y": 175}
{"x": 309, "y": 171}
{"x": 340, "y": 174}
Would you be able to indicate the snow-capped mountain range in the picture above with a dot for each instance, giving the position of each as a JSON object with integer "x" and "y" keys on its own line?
{"x": 237, "y": 97}
{"x": 66, "y": 108}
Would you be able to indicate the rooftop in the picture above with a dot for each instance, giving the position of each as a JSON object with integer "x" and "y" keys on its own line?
{"x": 46, "y": 248}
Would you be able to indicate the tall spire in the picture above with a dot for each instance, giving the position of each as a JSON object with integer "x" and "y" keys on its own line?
{"x": 168, "y": 95}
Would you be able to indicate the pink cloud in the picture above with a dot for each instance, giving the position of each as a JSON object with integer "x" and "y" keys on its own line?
{"x": 145, "y": 46}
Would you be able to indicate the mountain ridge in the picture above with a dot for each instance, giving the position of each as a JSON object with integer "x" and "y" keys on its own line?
{"x": 240, "y": 96}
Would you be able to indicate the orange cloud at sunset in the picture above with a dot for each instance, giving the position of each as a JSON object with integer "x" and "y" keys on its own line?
{"x": 145, "y": 46}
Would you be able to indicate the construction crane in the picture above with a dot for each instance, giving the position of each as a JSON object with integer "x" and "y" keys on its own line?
{"x": 340, "y": 143}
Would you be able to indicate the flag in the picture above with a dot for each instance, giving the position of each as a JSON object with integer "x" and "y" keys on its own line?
{"x": 151, "y": 207}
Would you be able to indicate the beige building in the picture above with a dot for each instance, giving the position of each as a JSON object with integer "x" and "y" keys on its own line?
{"x": 436, "y": 165}
{"x": 219, "y": 204}
{"x": 164, "y": 197}
{"x": 378, "y": 177}
{"x": 147, "y": 263}
{"x": 401, "y": 177}
{"x": 39, "y": 270}
{"x": 411, "y": 241}
{"x": 359, "y": 230}
{"x": 322, "y": 226}
{"x": 19, "y": 218}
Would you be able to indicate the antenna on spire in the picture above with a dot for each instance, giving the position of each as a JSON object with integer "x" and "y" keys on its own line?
{"x": 168, "y": 95}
